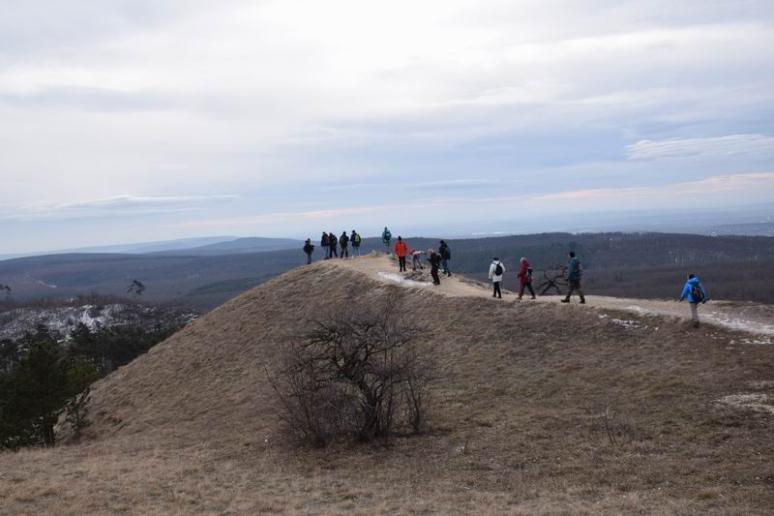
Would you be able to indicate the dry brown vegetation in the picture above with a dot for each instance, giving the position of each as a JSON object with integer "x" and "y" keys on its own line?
{"x": 544, "y": 409}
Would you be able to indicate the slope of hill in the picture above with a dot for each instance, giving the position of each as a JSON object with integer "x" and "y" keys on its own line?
{"x": 541, "y": 408}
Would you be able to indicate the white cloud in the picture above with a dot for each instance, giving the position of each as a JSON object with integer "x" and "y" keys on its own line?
{"x": 719, "y": 146}
{"x": 118, "y": 206}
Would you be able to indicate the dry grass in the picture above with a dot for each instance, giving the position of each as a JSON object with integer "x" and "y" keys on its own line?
{"x": 544, "y": 409}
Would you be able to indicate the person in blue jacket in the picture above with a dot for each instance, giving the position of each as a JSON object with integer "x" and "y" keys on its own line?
{"x": 694, "y": 293}
{"x": 574, "y": 273}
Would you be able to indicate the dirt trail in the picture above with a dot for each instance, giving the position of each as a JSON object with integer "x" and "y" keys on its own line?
{"x": 735, "y": 315}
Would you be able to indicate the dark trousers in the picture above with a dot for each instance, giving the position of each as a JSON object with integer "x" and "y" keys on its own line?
{"x": 497, "y": 292}
{"x": 308, "y": 258}
{"x": 528, "y": 286}
{"x": 434, "y": 274}
{"x": 575, "y": 286}
{"x": 402, "y": 263}
{"x": 355, "y": 250}
{"x": 445, "y": 265}
{"x": 344, "y": 251}
{"x": 415, "y": 263}
{"x": 326, "y": 252}
{"x": 333, "y": 252}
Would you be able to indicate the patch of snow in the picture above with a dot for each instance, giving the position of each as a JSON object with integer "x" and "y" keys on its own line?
{"x": 627, "y": 323}
{"x": 756, "y": 402}
{"x": 400, "y": 280}
{"x": 41, "y": 282}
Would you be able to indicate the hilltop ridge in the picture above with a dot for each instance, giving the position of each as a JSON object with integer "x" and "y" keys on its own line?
{"x": 541, "y": 408}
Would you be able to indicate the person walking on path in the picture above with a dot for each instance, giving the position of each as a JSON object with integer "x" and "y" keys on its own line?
{"x": 386, "y": 238}
{"x": 445, "y": 253}
{"x": 324, "y": 244}
{"x": 416, "y": 259}
{"x": 435, "y": 262}
{"x": 308, "y": 249}
{"x": 355, "y": 239}
{"x": 344, "y": 243}
{"x": 401, "y": 250}
{"x": 525, "y": 278}
{"x": 694, "y": 293}
{"x": 496, "y": 271}
{"x": 333, "y": 243}
{"x": 574, "y": 273}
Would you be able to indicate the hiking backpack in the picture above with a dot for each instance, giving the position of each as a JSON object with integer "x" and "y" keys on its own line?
{"x": 696, "y": 294}
{"x": 498, "y": 269}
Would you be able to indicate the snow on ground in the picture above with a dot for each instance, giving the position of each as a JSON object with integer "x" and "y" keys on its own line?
{"x": 757, "y": 402}
{"x": 394, "y": 277}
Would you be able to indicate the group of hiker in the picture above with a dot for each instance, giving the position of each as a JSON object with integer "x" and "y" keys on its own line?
{"x": 335, "y": 247}
{"x": 438, "y": 259}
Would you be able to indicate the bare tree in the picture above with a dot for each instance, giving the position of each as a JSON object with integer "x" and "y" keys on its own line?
{"x": 358, "y": 372}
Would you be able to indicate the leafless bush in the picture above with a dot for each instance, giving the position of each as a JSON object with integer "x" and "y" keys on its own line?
{"x": 361, "y": 373}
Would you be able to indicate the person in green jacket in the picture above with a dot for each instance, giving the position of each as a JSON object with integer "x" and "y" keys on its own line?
{"x": 386, "y": 237}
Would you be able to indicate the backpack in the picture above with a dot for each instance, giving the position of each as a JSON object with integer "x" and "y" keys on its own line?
{"x": 356, "y": 240}
{"x": 498, "y": 269}
{"x": 696, "y": 294}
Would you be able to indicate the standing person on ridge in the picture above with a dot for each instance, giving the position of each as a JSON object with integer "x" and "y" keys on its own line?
{"x": 435, "y": 262}
{"x": 355, "y": 239}
{"x": 496, "y": 271}
{"x": 344, "y": 243}
{"x": 333, "y": 243}
{"x": 574, "y": 273}
{"x": 525, "y": 277}
{"x": 445, "y": 253}
{"x": 324, "y": 244}
{"x": 694, "y": 292}
{"x": 401, "y": 250}
{"x": 386, "y": 237}
{"x": 308, "y": 249}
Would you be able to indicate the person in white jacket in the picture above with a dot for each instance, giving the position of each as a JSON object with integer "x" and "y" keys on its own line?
{"x": 496, "y": 271}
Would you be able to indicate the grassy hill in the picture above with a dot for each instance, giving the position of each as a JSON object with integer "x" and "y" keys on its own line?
{"x": 541, "y": 408}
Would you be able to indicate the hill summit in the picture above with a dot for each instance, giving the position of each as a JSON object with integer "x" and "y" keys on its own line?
{"x": 539, "y": 408}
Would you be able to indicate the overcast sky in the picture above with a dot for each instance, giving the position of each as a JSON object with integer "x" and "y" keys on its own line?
{"x": 139, "y": 120}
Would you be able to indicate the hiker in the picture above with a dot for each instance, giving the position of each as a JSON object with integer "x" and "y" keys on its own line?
{"x": 355, "y": 239}
{"x": 416, "y": 259}
{"x": 694, "y": 292}
{"x": 344, "y": 243}
{"x": 525, "y": 277}
{"x": 445, "y": 253}
{"x": 401, "y": 250}
{"x": 574, "y": 273}
{"x": 333, "y": 242}
{"x": 435, "y": 262}
{"x": 496, "y": 271}
{"x": 308, "y": 249}
{"x": 386, "y": 237}
{"x": 324, "y": 245}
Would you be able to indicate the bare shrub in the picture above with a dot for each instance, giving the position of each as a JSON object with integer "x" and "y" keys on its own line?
{"x": 358, "y": 373}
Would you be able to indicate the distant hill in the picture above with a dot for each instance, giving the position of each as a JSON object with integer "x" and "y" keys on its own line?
{"x": 623, "y": 264}
{"x": 241, "y": 245}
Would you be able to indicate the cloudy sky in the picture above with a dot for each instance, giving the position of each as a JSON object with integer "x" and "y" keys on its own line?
{"x": 136, "y": 120}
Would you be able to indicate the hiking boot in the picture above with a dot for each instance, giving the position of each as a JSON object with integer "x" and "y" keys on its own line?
{"x": 583, "y": 301}
{"x": 533, "y": 297}
{"x": 565, "y": 300}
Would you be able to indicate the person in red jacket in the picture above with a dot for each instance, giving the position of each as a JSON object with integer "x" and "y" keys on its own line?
{"x": 401, "y": 250}
{"x": 525, "y": 277}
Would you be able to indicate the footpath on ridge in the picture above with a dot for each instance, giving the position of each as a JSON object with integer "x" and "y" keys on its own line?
{"x": 749, "y": 317}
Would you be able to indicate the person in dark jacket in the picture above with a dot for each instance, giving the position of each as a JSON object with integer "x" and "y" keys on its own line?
{"x": 435, "y": 262}
{"x": 344, "y": 243}
{"x": 445, "y": 253}
{"x": 574, "y": 273}
{"x": 324, "y": 244}
{"x": 694, "y": 293}
{"x": 355, "y": 239}
{"x": 308, "y": 249}
{"x": 525, "y": 278}
{"x": 333, "y": 243}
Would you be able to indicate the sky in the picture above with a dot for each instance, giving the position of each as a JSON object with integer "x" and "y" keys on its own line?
{"x": 136, "y": 120}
